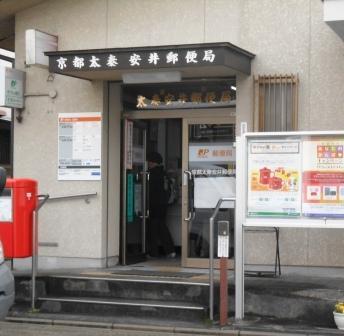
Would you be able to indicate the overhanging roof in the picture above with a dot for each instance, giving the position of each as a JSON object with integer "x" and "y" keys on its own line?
{"x": 192, "y": 60}
{"x": 8, "y": 9}
{"x": 334, "y": 15}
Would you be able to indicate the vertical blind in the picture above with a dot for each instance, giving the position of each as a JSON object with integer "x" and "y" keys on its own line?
{"x": 276, "y": 102}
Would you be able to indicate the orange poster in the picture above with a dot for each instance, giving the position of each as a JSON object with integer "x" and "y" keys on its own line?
{"x": 274, "y": 178}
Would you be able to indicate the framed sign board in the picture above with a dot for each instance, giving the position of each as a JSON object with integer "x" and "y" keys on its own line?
{"x": 293, "y": 179}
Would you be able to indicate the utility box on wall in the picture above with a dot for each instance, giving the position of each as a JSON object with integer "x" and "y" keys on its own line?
{"x": 17, "y": 204}
{"x": 36, "y": 43}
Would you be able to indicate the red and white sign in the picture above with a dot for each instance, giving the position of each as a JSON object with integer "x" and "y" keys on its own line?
{"x": 323, "y": 178}
{"x": 212, "y": 153}
{"x": 79, "y": 139}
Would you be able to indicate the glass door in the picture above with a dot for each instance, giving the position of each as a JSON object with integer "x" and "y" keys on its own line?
{"x": 135, "y": 185}
{"x": 208, "y": 175}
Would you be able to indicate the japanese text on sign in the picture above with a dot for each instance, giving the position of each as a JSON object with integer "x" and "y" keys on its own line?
{"x": 136, "y": 59}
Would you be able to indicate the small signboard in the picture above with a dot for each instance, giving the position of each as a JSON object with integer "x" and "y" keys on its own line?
{"x": 11, "y": 87}
{"x": 223, "y": 239}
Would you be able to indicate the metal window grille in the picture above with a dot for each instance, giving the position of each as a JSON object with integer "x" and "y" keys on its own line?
{"x": 276, "y": 102}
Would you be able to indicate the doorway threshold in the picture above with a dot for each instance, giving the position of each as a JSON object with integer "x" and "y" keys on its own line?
{"x": 161, "y": 268}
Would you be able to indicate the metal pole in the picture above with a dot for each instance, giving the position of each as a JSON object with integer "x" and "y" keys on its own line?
{"x": 239, "y": 272}
{"x": 144, "y": 192}
{"x": 211, "y": 268}
{"x": 34, "y": 258}
{"x": 239, "y": 231}
{"x": 41, "y": 200}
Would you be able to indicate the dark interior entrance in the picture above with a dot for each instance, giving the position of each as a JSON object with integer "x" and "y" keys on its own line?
{"x": 151, "y": 135}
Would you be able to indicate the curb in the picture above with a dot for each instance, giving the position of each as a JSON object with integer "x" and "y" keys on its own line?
{"x": 153, "y": 329}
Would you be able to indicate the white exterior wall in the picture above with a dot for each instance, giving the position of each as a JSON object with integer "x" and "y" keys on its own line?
{"x": 288, "y": 36}
{"x": 77, "y": 227}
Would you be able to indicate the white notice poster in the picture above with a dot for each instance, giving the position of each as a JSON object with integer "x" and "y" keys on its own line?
{"x": 79, "y": 152}
{"x": 208, "y": 190}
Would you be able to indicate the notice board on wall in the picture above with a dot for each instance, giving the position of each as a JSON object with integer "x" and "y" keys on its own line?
{"x": 295, "y": 176}
{"x": 79, "y": 146}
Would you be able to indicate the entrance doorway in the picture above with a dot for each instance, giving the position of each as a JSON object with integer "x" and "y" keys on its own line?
{"x": 199, "y": 159}
{"x": 163, "y": 136}
{"x": 209, "y": 174}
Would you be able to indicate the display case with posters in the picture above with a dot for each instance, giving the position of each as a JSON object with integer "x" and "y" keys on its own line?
{"x": 298, "y": 175}
{"x": 286, "y": 180}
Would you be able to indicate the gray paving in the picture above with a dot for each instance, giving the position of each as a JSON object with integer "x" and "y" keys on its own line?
{"x": 77, "y": 328}
{"x": 300, "y": 302}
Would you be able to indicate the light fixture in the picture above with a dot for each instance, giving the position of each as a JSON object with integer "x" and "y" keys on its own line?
{"x": 233, "y": 88}
{"x": 151, "y": 77}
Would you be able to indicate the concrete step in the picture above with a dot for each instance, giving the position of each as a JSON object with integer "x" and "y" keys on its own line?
{"x": 115, "y": 287}
{"x": 174, "y": 298}
{"x": 115, "y": 307}
{"x": 286, "y": 299}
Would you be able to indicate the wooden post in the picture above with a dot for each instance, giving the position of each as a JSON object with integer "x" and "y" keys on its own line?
{"x": 223, "y": 292}
{"x": 223, "y": 253}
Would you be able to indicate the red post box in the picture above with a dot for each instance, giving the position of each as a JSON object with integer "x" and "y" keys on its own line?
{"x": 264, "y": 175}
{"x": 17, "y": 204}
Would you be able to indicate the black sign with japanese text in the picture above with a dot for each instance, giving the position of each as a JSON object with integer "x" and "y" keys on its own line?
{"x": 113, "y": 60}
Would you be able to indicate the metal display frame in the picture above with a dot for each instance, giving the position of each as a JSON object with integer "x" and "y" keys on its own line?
{"x": 241, "y": 218}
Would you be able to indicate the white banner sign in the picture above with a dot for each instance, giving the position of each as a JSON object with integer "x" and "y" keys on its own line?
{"x": 129, "y": 128}
{"x": 79, "y": 139}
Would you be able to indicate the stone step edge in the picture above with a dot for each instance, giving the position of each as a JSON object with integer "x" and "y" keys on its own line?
{"x": 139, "y": 279}
{"x": 127, "y": 302}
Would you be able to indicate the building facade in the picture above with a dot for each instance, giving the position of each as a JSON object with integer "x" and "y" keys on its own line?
{"x": 286, "y": 45}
